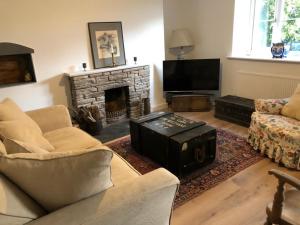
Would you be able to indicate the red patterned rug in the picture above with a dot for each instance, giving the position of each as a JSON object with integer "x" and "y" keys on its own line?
{"x": 233, "y": 155}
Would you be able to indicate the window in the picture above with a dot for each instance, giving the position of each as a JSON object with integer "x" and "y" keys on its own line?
{"x": 259, "y": 23}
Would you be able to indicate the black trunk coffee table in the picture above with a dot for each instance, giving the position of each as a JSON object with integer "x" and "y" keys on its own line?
{"x": 176, "y": 143}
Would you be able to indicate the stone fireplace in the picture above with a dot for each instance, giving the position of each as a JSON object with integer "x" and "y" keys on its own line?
{"x": 120, "y": 92}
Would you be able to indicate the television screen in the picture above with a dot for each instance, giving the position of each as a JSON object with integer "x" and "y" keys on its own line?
{"x": 191, "y": 75}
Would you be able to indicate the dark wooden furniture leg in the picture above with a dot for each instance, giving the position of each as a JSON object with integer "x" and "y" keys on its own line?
{"x": 274, "y": 215}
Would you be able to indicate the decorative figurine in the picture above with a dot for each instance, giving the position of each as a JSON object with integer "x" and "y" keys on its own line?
{"x": 277, "y": 50}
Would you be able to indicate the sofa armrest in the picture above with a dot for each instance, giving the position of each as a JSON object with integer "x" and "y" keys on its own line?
{"x": 51, "y": 118}
{"x": 271, "y": 106}
{"x": 145, "y": 200}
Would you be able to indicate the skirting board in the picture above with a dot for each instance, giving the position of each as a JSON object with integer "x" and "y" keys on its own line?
{"x": 159, "y": 107}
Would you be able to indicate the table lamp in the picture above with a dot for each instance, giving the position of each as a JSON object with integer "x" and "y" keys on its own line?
{"x": 181, "y": 43}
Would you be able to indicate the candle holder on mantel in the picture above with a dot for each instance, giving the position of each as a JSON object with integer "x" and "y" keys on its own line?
{"x": 113, "y": 60}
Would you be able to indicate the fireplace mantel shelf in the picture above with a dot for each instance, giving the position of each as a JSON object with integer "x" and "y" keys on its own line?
{"x": 102, "y": 70}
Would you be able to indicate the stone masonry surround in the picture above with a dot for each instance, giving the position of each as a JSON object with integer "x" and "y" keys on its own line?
{"x": 88, "y": 88}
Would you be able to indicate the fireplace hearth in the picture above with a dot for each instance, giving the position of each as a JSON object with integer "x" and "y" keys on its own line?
{"x": 119, "y": 92}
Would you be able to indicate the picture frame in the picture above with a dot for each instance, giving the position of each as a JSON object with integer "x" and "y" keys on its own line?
{"x": 105, "y": 38}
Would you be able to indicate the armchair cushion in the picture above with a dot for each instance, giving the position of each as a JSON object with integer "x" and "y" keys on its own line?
{"x": 58, "y": 179}
{"x": 276, "y": 136}
{"x": 271, "y": 106}
{"x": 292, "y": 108}
{"x": 14, "y": 146}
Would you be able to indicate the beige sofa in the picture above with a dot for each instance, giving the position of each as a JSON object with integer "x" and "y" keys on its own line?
{"x": 134, "y": 199}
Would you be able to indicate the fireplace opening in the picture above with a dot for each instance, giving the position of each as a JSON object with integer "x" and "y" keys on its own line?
{"x": 116, "y": 101}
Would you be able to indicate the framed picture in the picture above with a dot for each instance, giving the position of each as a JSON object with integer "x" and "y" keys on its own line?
{"x": 107, "y": 38}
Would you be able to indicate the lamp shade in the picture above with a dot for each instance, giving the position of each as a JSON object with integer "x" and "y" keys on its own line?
{"x": 180, "y": 38}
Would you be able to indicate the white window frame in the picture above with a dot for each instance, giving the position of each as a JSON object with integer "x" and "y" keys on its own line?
{"x": 244, "y": 16}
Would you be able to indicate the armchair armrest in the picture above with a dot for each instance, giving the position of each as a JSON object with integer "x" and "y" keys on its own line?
{"x": 272, "y": 106}
{"x": 274, "y": 211}
{"x": 145, "y": 200}
{"x": 51, "y": 118}
{"x": 285, "y": 178}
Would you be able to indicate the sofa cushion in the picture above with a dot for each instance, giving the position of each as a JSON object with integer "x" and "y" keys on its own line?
{"x": 2, "y": 148}
{"x": 51, "y": 118}
{"x": 121, "y": 170}
{"x": 24, "y": 131}
{"x": 14, "y": 146}
{"x": 292, "y": 108}
{"x": 9, "y": 110}
{"x": 15, "y": 206}
{"x": 70, "y": 138}
{"x": 60, "y": 178}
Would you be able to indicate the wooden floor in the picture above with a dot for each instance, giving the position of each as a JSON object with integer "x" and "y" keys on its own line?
{"x": 240, "y": 200}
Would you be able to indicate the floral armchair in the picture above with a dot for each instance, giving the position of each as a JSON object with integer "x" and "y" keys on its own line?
{"x": 275, "y": 135}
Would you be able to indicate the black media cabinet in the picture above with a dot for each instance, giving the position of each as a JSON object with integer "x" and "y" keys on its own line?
{"x": 234, "y": 109}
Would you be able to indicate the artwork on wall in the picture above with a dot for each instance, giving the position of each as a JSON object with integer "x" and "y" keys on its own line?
{"x": 107, "y": 44}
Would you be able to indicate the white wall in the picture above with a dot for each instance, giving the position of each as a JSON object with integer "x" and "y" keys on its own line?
{"x": 177, "y": 14}
{"x": 57, "y": 31}
{"x": 211, "y": 24}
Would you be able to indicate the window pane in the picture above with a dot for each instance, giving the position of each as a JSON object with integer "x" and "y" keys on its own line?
{"x": 267, "y": 22}
{"x": 291, "y": 36}
{"x": 265, "y": 9}
{"x": 291, "y": 31}
{"x": 262, "y": 36}
{"x": 291, "y": 9}
{"x": 263, "y": 25}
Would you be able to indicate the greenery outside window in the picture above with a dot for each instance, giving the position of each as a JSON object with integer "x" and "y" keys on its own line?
{"x": 259, "y": 23}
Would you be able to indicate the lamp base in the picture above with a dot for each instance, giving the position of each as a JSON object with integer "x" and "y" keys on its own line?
{"x": 181, "y": 51}
{"x": 180, "y": 57}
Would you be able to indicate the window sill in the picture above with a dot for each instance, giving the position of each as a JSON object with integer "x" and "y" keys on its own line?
{"x": 261, "y": 59}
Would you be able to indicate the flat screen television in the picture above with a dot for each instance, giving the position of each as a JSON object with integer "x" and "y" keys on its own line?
{"x": 191, "y": 75}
